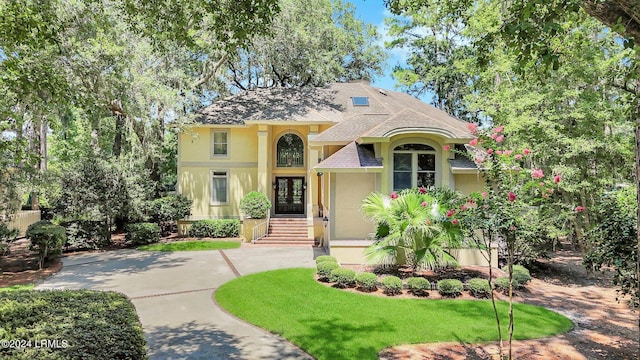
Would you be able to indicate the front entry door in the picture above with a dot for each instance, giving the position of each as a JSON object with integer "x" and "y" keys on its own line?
{"x": 290, "y": 195}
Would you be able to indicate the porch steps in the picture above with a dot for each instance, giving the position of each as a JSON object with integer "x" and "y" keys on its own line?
{"x": 286, "y": 231}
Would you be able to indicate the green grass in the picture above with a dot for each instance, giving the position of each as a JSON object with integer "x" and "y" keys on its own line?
{"x": 334, "y": 324}
{"x": 192, "y": 246}
{"x": 17, "y": 287}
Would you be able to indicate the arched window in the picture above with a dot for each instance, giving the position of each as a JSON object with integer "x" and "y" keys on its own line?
{"x": 414, "y": 165}
{"x": 290, "y": 151}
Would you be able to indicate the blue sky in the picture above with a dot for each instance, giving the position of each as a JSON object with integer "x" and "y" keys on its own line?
{"x": 374, "y": 12}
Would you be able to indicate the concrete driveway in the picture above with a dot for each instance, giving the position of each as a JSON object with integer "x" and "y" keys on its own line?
{"x": 173, "y": 295}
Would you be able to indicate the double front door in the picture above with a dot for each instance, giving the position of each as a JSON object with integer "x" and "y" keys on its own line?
{"x": 289, "y": 195}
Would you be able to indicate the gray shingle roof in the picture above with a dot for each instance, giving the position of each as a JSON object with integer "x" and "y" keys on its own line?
{"x": 388, "y": 111}
{"x": 352, "y": 156}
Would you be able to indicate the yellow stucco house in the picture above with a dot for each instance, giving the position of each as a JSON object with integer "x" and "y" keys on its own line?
{"x": 317, "y": 153}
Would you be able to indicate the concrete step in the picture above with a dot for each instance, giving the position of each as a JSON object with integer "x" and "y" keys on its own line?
{"x": 285, "y": 241}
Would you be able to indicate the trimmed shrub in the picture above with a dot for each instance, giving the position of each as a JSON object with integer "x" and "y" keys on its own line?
{"x": 86, "y": 234}
{"x": 166, "y": 210}
{"x": 47, "y": 240}
{"x": 392, "y": 285}
{"x": 324, "y": 269}
{"x": 218, "y": 228}
{"x": 255, "y": 205}
{"x": 418, "y": 286}
{"x": 450, "y": 287}
{"x": 83, "y": 324}
{"x": 521, "y": 275}
{"x": 367, "y": 281}
{"x": 143, "y": 233}
{"x": 343, "y": 277}
{"x": 323, "y": 258}
{"x": 479, "y": 288}
{"x": 502, "y": 284}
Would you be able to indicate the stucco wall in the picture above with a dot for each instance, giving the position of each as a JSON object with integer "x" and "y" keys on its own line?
{"x": 469, "y": 183}
{"x": 350, "y": 190}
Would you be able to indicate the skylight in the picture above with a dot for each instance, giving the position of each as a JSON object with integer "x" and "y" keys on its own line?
{"x": 360, "y": 101}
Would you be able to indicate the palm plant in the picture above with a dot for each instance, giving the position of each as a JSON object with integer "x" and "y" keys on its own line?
{"x": 414, "y": 227}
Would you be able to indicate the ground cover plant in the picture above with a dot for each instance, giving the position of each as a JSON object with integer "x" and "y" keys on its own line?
{"x": 78, "y": 324}
{"x": 17, "y": 287}
{"x": 333, "y": 324}
{"x": 192, "y": 246}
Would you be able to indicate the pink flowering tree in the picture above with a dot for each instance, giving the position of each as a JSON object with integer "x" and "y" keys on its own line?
{"x": 505, "y": 211}
{"x": 415, "y": 227}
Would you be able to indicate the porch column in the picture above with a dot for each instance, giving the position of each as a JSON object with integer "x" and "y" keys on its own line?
{"x": 312, "y": 182}
{"x": 263, "y": 160}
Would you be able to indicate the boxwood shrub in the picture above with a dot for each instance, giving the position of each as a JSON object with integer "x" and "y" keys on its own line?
{"x": 218, "y": 228}
{"x": 343, "y": 277}
{"x": 143, "y": 233}
{"x": 47, "y": 240}
{"x": 479, "y": 288}
{"x": 450, "y": 287}
{"x": 323, "y": 258}
{"x": 79, "y": 324}
{"x": 521, "y": 275}
{"x": 367, "y": 281}
{"x": 502, "y": 284}
{"x": 324, "y": 269}
{"x": 392, "y": 285}
{"x": 418, "y": 286}
{"x": 255, "y": 205}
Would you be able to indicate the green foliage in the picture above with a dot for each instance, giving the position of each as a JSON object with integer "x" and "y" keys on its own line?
{"x": 299, "y": 309}
{"x": 86, "y": 234}
{"x": 521, "y": 275}
{"x": 325, "y": 268}
{"x": 85, "y": 324}
{"x": 392, "y": 285}
{"x": 367, "y": 281}
{"x": 218, "y": 228}
{"x": 255, "y": 205}
{"x": 413, "y": 227}
{"x": 479, "y": 287}
{"x": 47, "y": 240}
{"x": 7, "y": 236}
{"x": 502, "y": 284}
{"x": 450, "y": 287}
{"x": 343, "y": 277}
{"x": 323, "y": 258}
{"x": 167, "y": 210}
{"x": 613, "y": 241}
{"x": 143, "y": 233}
{"x": 418, "y": 285}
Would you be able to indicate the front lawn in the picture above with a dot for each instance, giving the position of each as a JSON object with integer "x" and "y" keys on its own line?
{"x": 192, "y": 246}
{"x": 334, "y": 324}
{"x": 70, "y": 324}
{"x": 17, "y": 287}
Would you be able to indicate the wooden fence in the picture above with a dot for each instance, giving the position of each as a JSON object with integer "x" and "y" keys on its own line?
{"x": 23, "y": 219}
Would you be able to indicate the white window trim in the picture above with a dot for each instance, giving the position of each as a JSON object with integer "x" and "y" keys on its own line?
{"x": 211, "y": 177}
{"x": 214, "y": 156}
{"x": 414, "y": 160}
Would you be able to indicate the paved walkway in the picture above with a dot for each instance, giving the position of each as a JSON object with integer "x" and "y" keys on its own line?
{"x": 173, "y": 295}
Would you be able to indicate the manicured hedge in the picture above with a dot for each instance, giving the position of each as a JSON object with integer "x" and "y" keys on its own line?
{"x": 479, "y": 287}
{"x": 418, "y": 286}
{"x": 324, "y": 269}
{"x": 143, "y": 233}
{"x": 392, "y": 285}
{"x": 79, "y": 324}
{"x": 219, "y": 228}
{"x": 343, "y": 277}
{"x": 450, "y": 287}
{"x": 367, "y": 281}
{"x": 47, "y": 240}
{"x": 502, "y": 284}
{"x": 323, "y": 258}
{"x": 521, "y": 275}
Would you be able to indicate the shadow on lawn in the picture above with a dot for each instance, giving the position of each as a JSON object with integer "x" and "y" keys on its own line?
{"x": 329, "y": 334}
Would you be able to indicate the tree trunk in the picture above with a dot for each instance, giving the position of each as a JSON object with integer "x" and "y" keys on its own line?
{"x": 510, "y": 255}
{"x": 637, "y": 150}
{"x": 117, "y": 141}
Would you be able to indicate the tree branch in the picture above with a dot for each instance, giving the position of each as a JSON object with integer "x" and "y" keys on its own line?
{"x": 207, "y": 75}
{"x": 612, "y": 12}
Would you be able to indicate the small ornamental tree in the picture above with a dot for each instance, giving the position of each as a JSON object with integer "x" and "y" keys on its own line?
{"x": 414, "y": 227}
{"x": 47, "y": 240}
{"x": 255, "y": 205}
{"x": 515, "y": 188}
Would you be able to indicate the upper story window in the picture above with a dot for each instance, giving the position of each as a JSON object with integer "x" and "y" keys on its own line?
{"x": 360, "y": 101}
{"x": 290, "y": 151}
{"x": 414, "y": 165}
{"x": 220, "y": 143}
